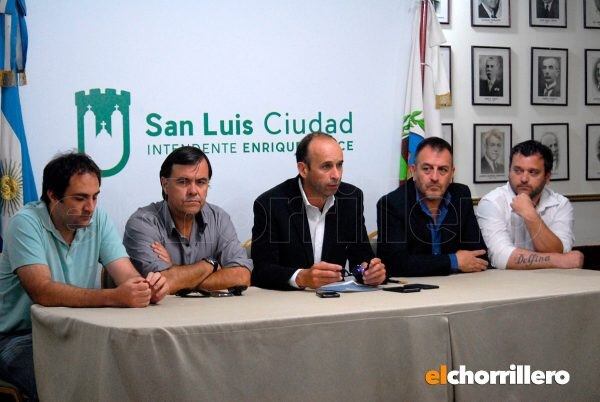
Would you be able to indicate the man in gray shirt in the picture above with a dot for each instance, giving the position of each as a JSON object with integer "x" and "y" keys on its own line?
{"x": 191, "y": 242}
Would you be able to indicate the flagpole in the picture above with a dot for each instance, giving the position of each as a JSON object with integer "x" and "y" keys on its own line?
{"x": 423, "y": 38}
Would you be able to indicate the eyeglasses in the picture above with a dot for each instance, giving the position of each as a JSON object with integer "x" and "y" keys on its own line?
{"x": 357, "y": 272}
{"x": 232, "y": 291}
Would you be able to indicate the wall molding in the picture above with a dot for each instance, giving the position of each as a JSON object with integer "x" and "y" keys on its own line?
{"x": 571, "y": 197}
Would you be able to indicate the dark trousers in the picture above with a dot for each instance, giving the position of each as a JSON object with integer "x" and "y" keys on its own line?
{"x": 16, "y": 362}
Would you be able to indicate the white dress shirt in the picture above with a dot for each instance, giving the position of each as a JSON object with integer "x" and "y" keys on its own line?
{"x": 316, "y": 225}
{"x": 504, "y": 231}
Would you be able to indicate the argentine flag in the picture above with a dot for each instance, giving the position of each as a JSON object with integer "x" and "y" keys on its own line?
{"x": 427, "y": 92}
{"x": 16, "y": 178}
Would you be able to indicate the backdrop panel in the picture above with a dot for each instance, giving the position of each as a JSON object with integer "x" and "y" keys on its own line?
{"x": 244, "y": 80}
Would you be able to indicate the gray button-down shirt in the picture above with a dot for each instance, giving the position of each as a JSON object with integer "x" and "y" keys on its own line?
{"x": 212, "y": 235}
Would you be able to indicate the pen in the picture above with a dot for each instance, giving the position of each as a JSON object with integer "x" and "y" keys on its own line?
{"x": 400, "y": 281}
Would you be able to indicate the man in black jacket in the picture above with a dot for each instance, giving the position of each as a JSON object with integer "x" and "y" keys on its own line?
{"x": 306, "y": 228}
{"x": 427, "y": 225}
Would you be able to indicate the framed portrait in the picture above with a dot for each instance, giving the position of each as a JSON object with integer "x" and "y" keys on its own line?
{"x": 490, "y": 13}
{"x": 548, "y": 13}
{"x": 442, "y": 10}
{"x": 556, "y": 137}
{"x": 491, "y": 151}
{"x": 592, "y": 76}
{"x": 549, "y": 71}
{"x": 448, "y": 133}
{"x": 591, "y": 14}
{"x": 490, "y": 75}
{"x": 592, "y": 152}
{"x": 446, "y": 55}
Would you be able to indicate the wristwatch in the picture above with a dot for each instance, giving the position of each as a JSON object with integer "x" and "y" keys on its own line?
{"x": 213, "y": 262}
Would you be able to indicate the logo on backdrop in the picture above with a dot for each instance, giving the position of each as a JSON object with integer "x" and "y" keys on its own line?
{"x": 103, "y": 128}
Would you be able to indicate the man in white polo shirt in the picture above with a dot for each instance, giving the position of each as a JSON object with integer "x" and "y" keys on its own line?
{"x": 525, "y": 224}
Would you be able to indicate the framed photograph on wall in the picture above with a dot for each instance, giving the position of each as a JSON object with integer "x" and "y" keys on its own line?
{"x": 549, "y": 71}
{"x": 490, "y": 75}
{"x": 592, "y": 152}
{"x": 591, "y": 14}
{"x": 592, "y": 76}
{"x": 491, "y": 151}
{"x": 446, "y": 55}
{"x": 490, "y": 13}
{"x": 442, "y": 10}
{"x": 548, "y": 13}
{"x": 556, "y": 137}
{"x": 448, "y": 133}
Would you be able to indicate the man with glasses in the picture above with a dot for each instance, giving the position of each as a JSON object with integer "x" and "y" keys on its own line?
{"x": 526, "y": 224}
{"x": 191, "y": 242}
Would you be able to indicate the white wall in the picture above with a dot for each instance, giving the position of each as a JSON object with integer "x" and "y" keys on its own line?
{"x": 520, "y": 37}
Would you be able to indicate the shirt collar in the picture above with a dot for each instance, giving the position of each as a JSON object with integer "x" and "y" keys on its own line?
{"x": 46, "y": 219}
{"x": 328, "y": 202}
{"x": 170, "y": 224}
{"x": 489, "y": 10}
{"x": 420, "y": 197}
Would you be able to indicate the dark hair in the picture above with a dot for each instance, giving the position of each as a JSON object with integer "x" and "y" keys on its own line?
{"x": 58, "y": 173}
{"x": 302, "y": 149}
{"x": 183, "y": 156}
{"x": 436, "y": 143}
{"x": 533, "y": 147}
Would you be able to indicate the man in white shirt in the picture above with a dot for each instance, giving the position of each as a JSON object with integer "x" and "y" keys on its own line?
{"x": 308, "y": 227}
{"x": 525, "y": 224}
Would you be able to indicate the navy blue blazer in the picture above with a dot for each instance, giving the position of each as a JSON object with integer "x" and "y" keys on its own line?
{"x": 404, "y": 242}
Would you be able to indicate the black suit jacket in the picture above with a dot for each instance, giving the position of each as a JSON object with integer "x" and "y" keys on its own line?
{"x": 496, "y": 89}
{"x": 487, "y": 168}
{"x": 542, "y": 13}
{"x": 483, "y": 12}
{"x": 555, "y": 91}
{"x": 404, "y": 242}
{"x": 281, "y": 241}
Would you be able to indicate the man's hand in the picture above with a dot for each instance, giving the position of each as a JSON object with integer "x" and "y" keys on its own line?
{"x": 161, "y": 252}
{"x": 375, "y": 274}
{"x": 134, "y": 292}
{"x": 572, "y": 259}
{"x": 159, "y": 287}
{"x": 469, "y": 261}
{"x": 321, "y": 273}
{"x": 523, "y": 206}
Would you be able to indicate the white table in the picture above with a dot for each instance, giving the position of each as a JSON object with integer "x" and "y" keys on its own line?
{"x": 269, "y": 345}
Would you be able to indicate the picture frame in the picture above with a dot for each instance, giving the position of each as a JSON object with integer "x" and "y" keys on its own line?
{"x": 549, "y": 72}
{"x": 442, "y": 10}
{"x": 591, "y": 14}
{"x": 490, "y": 76}
{"x": 548, "y": 13}
{"x": 490, "y": 13}
{"x": 592, "y": 152}
{"x": 448, "y": 133}
{"x": 592, "y": 76}
{"x": 446, "y": 56}
{"x": 491, "y": 152}
{"x": 556, "y": 137}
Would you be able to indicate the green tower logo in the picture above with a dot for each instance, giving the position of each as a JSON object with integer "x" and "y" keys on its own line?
{"x": 98, "y": 116}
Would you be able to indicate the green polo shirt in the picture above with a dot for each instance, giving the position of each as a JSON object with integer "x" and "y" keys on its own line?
{"x": 31, "y": 238}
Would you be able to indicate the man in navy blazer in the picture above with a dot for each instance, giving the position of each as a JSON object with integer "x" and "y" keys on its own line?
{"x": 427, "y": 226}
{"x": 308, "y": 227}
